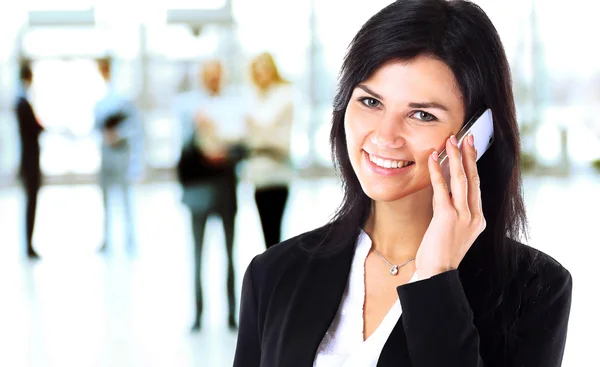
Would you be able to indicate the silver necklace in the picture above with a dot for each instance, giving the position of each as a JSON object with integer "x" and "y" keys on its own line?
{"x": 393, "y": 268}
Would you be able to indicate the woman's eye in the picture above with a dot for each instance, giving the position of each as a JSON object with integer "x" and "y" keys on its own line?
{"x": 370, "y": 102}
{"x": 424, "y": 116}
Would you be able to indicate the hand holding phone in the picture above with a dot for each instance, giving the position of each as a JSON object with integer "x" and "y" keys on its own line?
{"x": 458, "y": 217}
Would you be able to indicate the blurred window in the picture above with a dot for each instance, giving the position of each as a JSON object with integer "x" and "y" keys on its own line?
{"x": 64, "y": 94}
{"x": 64, "y": 41}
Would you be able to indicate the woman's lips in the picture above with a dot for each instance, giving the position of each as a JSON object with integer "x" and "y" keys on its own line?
{"x": 385, "y": 170}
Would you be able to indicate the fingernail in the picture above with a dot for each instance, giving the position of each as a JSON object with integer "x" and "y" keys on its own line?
{"x": 471, "y": 140}
{"x": 453, "y": 140}
{"x": 434, "y": 155}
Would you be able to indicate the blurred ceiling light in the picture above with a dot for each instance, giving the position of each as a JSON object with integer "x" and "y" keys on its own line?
{"x": 198, "y": 16}
{"x": 198, "y": 4}
{"x": 61, "y": 17}
{"x": 60, "y": 12}
{"x": 199, "y": 12}
{"x": 59, "y": 5}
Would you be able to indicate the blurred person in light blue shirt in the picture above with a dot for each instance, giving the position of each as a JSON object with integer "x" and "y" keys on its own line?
{"x": 118, "y": 120}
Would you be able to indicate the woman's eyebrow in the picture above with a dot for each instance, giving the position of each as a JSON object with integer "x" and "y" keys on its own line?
{"x": 435, "y": 105}
{"x": 428, "y": 105}
{"x": 366, "y": 89}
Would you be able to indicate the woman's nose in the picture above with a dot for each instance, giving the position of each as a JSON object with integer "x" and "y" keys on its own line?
{"x": 388, "y": 135}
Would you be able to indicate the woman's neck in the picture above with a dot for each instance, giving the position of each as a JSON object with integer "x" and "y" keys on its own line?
{"x": 397, "y": 228}
{"x": 214, "y": 92}
{"x": 266, "y": 88}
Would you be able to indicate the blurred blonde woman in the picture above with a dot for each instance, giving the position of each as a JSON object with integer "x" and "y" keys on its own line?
{"x": 269, "y": 123}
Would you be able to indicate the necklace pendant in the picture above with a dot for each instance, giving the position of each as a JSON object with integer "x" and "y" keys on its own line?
{"x": 394, "y": 270}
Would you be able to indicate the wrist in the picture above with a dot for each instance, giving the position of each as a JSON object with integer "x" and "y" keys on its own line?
{"x": 427, "y": 273}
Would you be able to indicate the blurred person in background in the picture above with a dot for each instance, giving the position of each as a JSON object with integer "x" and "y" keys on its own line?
{"x": 118, "y": 120}
{"x": 407, "y": 274}
{"x": 211, "y": 122}
{"x": 269, "y": 125}
{"x": 29, "y": 170}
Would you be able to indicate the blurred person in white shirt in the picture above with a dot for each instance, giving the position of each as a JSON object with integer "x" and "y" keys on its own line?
{"x": 269, "y": 122}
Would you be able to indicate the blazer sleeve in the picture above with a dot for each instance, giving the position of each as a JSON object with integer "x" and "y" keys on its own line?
{"x": 247, "y": 352}
{"x": 438, "y": 323}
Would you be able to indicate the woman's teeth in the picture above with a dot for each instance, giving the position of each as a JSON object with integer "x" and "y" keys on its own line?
{"x": 388, "y": 163}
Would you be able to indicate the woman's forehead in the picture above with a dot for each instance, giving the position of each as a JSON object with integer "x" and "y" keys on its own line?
{"x": 421, "y": 78}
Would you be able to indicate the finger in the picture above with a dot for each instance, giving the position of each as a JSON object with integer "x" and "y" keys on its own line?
{"x": 470, "y": 165}
{"x": 458, "y": 178}
{"x": 440, "y": 188}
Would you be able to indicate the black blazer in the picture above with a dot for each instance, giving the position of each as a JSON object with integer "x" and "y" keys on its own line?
{"x": 292, "y": 292}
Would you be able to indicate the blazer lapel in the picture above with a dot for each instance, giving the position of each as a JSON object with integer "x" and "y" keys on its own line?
{"x": 395, "y": 350}
{"x": 314, "y": 305}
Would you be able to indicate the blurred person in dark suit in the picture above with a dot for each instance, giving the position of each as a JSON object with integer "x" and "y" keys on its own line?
{"x": 210, "y": 124}
{"x": 117, "y": 118}
{"x": 29, "y": 170}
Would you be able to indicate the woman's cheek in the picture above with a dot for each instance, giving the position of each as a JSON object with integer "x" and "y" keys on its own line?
{"x": 355, "y": 128}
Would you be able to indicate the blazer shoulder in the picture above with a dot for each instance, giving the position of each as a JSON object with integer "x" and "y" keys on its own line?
{"x": 299, "y": 248}
{"x": 281, "y": 266}
{"x": 540, "y": 271}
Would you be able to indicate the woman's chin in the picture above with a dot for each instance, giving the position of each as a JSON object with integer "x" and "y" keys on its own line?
{"x": 385, "y": 193}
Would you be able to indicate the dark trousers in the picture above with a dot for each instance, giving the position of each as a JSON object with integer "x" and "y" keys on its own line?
{"x": 271, "y": 203}
{"x": 225, "y": 207}
{"x": 32, "y": 186}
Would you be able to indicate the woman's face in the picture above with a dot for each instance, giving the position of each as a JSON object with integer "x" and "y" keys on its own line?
{"x": 396, "y": 119}
{"x": 262, "y": 73}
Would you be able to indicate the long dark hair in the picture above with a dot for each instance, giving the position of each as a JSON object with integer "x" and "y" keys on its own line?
{"x": 461, "y": 35}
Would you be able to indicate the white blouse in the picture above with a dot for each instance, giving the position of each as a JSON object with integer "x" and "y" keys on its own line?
{"x": 343, "y": 344}
{"x": 273, "y": 115}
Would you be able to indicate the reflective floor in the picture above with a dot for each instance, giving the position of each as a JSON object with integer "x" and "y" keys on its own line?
{"x": 76, "y": 307}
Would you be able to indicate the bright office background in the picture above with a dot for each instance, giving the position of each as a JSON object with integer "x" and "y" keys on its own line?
{"x": 157, "y": 46}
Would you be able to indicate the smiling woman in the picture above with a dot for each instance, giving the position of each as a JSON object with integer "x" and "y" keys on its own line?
{"x": 407, "y": 274}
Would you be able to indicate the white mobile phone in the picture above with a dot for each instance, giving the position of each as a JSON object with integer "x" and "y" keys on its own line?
{"x": 481, "y": 125}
